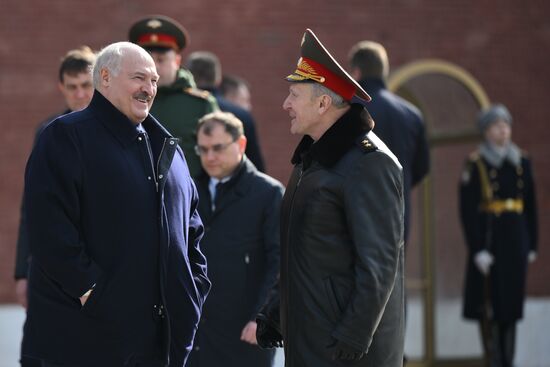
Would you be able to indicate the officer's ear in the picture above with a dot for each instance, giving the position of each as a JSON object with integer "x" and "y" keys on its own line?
{"x": 325, "y": 101}
{"x": 178, "y": 60}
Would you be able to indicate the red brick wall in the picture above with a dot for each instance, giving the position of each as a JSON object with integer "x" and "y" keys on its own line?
{"x": 502, "y": 43}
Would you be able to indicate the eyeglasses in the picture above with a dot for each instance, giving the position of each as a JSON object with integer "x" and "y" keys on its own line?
{"x": 216, "y": 148}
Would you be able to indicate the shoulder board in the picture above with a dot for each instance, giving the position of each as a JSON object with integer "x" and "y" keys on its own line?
{"x": 524, "y": 154}
{"x": 366, "y": 144}
{"x": 474, "y": 156}
{"x": 199, "y": 93}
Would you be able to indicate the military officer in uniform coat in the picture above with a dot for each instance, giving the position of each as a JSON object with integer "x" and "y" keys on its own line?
{"x": 179, "y": 104}
{"x": 341, "y": 283}
{"x": 240, "y": 209}
{"x": 499, "y": 219}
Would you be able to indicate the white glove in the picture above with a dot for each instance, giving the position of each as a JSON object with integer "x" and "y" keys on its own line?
{"x": 532, "y": 256}
{"x": 483, "y": 260}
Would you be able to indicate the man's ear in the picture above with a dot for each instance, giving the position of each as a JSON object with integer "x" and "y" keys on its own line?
{"x": 242, "y": 143}
{"x": 105, "y": 77}
{"x": 178, "y": 60}
{"x": 355, "y": 73}
{"x": 324, "y": 103}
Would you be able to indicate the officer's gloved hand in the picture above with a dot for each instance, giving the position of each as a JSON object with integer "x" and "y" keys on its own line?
{"x": 532, "y": 256}
{"x": 483, "y": 260}
{"x": 343, "y": 351}
{"x": 267, "y": 334}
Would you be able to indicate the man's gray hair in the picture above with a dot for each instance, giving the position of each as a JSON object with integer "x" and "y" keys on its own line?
{"x": 110, "y": 58}
{"x": 337, "y": 100}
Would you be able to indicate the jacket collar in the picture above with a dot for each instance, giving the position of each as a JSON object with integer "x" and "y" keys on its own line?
{"x": 336, "y": 141}
{"x": 119, "y": 125}
{"x": 237, "y": 187}
{"x": 184, "y": 80}
{"x": 242, "y": 170}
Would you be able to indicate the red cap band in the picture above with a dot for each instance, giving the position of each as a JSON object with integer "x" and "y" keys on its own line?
{"x": 332, "y": 81}
{"x": 158, "y": 39}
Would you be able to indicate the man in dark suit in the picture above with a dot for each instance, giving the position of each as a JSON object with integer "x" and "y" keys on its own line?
{"x": 76, "y": 86}
{"x": 240, "y": 209}
{"x": 207, "y": 70}
{"x": 398, "y": 123}
{"x": 117, "y": 277}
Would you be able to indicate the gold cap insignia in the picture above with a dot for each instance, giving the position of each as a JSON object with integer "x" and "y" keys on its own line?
{"x": 154, "y": 23}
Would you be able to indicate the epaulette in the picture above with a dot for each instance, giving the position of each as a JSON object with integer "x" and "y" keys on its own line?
{"x": 474, "y": 156}
{"x": 196, "y": 92}
{"x": 366, "y": 144}
{"x": 524, "y": 154}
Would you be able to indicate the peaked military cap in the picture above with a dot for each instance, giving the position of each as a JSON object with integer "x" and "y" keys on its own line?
{"x": 317, "y": 64}
{"x": 159, "y": 31}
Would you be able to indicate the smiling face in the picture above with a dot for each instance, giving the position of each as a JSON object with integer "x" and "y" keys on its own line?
{"x": 132, "y": 89}
{"x": 303, "y": 109}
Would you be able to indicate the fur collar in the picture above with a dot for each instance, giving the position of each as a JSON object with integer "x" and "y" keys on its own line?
{"x": 336, "y": 141}
{"x": 496, "y": 158}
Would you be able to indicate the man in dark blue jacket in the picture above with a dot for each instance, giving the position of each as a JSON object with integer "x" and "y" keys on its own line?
{"x": 398, "y": 123}
{"x": 117, "y": 277}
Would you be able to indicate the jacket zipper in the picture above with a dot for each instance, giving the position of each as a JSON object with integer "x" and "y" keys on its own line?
{"x": 150, "y": 153}
{"x": 158, "y": 161}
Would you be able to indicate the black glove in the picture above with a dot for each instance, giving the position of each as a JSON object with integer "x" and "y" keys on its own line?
{"x": 344, "y": 351}
{"x": 267, "y": 334}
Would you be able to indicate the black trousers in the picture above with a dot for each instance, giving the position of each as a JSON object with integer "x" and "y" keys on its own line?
{"x": 33, "y": 362}
{"x": 499, "y": 343}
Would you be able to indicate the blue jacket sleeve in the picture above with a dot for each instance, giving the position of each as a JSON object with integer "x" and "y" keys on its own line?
{"x": 196, "y": 257}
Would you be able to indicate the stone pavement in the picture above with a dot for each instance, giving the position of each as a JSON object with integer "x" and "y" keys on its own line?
{"x": 455, "y": 338}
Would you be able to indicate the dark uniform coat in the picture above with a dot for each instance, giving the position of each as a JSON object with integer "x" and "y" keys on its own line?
{"x": 342, "y": 248}
{"x": 179, "y": 107}
{"x": 99, "y": 213}
{"x": 508, "y": 236}
{"x": 241, "y": 244}
{"x": 400, "y": 125}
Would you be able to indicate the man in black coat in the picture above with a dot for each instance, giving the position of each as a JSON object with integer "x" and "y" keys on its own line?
{"x": 398, "y": 123}
{"x": 207, "y": 70}
{"x": 117, "y": 277}
{"x": 240, "y": 209}
{"x": 499, "y": 218}
{"x": 76, "y": 86}
{"x": 341, "y": 284}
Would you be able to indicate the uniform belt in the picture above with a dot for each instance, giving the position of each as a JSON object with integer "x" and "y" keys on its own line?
{"x": 500, "y": 206}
